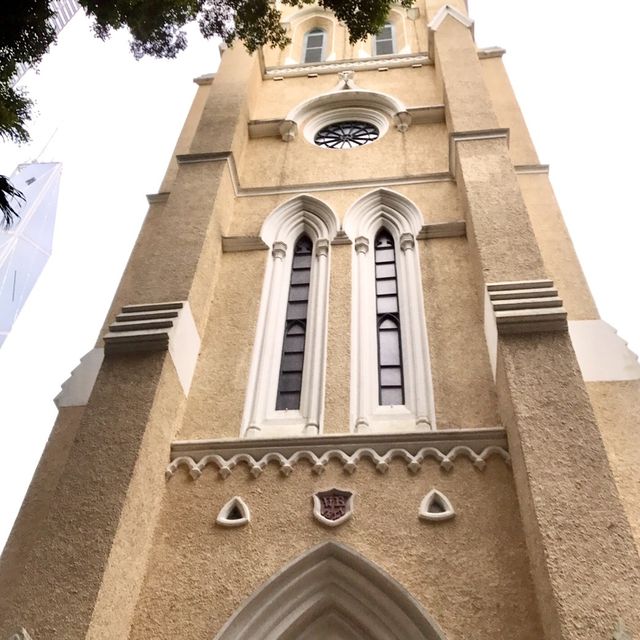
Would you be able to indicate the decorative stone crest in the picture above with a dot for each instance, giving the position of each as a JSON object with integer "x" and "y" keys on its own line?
{"x": 332, "y": 507}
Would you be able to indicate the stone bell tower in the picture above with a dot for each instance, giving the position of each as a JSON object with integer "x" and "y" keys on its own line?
{"x": 353, "y": 384}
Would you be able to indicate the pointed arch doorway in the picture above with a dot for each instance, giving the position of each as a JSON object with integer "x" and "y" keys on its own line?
{"x": 331, "y": 592}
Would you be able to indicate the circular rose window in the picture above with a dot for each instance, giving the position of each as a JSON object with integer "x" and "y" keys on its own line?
{"x": 346, "y": 135}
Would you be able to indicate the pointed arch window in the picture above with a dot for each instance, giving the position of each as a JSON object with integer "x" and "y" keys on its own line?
{"x": 390, "y": 376}
{"x": 384, "y": 41}
{"x": 285, "y": 390}
{"x": 314, "y": 44}
{"x": 293, "y": 344}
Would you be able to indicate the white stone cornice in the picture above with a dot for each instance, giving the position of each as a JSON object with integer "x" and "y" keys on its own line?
{"x": 359, "y": 64}
{"x": 477, "y": 445}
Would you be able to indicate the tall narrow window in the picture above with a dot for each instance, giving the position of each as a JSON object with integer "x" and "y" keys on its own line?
{"x": 391, "y": 374}
{"x": 390, "y": 377}
{"x": 384, "y": 44}
{"x": 292, "y": 361}
{"x": 314, "y": 45}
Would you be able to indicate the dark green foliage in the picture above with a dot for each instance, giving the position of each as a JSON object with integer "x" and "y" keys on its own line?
{"x": 7, "y": 213}
{"x": 156, "y": 27}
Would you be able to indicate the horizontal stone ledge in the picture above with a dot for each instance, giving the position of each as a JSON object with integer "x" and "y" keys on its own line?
{"x": 158, "y": 198}
{"x": 455, "y": 229}
{"x": 152, "y": 306}
{"x": 519, "y": 284}
{"x": 231, "y": 244}
{"x": 205, "y": 79}
{"x": 413, "y": 448}
{"x": 414, "y": 60}
{"x": 491, "y": 52}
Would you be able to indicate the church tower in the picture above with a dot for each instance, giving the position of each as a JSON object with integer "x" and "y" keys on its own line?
{"x": 353, "y": 385}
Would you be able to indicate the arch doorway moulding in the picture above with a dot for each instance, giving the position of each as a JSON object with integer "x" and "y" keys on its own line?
{"x": 331, "y": 589}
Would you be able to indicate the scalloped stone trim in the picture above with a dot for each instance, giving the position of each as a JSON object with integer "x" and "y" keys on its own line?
{"x": 349, "y": 462}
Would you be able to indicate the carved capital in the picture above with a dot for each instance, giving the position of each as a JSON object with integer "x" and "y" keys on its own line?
{"x": 361, "y": 244}
{"x": 288, "y": 130}
{"x": 279, "y": 250}
{"x": 402, "y": 120}
{"x": 322, "y": 247}
{"x": 407, "y": 241}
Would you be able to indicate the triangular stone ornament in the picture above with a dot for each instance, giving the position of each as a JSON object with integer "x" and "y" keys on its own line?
{"x": 332, "y": 507}
{"x": 621, "y": 632}
{"x": 436, "y": 506}
{"x": 234, "y": 513}
{"x": 20, "y": 635}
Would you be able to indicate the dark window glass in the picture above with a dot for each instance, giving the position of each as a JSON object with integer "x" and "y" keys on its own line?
{"x": 292, "y": 361}
{"x": 346, "y": 135}
{"x": 390, "y": 377}
{"x": 314, "y": 46}
{"x": 384, "y": 40}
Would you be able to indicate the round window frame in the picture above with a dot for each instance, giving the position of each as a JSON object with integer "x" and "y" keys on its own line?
{"x": 345, "y": 114}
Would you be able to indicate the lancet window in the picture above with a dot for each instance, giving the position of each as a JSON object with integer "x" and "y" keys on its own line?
{"x": 384, "y": 41}
{"x": 292, "y": 361}
{"x": 285, "y": 392}
{"x": 390, "y": 387}
{"x": 314, "y": 44}
{"x": 391, "y": 379}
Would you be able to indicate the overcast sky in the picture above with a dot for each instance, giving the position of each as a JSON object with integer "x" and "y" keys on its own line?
{"x": 113, "y": 122}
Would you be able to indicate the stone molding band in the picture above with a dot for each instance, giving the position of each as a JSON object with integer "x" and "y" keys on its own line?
{"x": 477, "y": 445}
{"x": 163, "y": 326}
{"x": 521, "y": 306}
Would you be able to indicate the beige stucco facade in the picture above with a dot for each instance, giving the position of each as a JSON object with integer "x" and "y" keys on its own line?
{"x": 119, "y": 536}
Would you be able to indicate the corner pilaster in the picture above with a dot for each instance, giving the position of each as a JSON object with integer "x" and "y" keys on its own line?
{"x": 584, "y": 562}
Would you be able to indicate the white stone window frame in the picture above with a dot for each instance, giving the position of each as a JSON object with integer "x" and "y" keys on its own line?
{"x": 314, "y": 31}
{"x": 401, "y": 217}
{"x": 280, "y": 231}
{"x": 346, "y": 101}
{"x": 394, "y": 43}
{"x": 346, "y": 114}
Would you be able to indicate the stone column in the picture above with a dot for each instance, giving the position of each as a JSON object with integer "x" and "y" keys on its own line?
{"x": 584, "y": 562}
{"x": 419, "y": 347}
{"x": 318, "y": 340}
{"x": 267, "y": 342}
{"x": 361, "y": 246}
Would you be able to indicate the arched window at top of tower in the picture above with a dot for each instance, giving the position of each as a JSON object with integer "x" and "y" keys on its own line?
{"x": 392, "y": 39}
{"x": 313, "y": 38}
